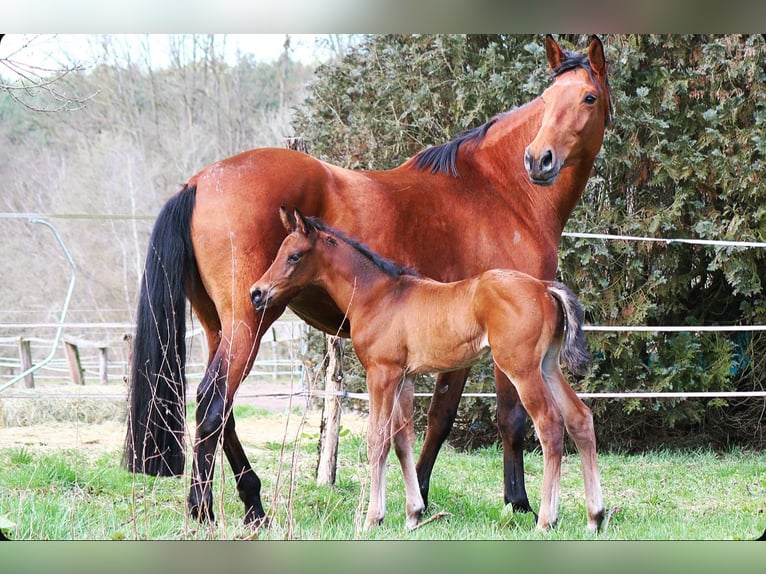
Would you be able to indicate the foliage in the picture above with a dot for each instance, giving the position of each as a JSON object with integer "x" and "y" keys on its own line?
{"x": 682, "y": 159}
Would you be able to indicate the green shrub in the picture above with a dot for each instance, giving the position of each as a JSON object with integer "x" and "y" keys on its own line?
{"x": 683, "y": 158}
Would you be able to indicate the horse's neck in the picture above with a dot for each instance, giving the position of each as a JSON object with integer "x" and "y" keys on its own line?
{"x": 502, "y": 156}
{"x": 568, "y": 189}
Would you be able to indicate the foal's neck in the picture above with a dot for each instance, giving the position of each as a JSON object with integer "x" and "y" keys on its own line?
{"x": 352, "y": 280}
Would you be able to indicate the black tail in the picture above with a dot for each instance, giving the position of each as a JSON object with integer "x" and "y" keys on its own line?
{"x": 574, "y": 352}
{"x": 157, "y": 399}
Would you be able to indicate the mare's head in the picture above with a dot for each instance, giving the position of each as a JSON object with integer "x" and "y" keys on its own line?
{"x": 293, "y": 267}
{"x": 577, "y": 111}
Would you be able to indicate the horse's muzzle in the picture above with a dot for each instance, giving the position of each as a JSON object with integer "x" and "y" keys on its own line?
{"x": 542, "y": 169}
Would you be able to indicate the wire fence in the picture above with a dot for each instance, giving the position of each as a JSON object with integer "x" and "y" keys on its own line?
{"x": 282, "y": 348}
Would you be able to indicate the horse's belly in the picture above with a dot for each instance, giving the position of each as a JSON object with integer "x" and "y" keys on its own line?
{"x": 447, "y": 358}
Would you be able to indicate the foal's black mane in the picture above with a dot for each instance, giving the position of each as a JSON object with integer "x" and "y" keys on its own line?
{"x": 385, "y": 265}
{"x": 443, "y": 158}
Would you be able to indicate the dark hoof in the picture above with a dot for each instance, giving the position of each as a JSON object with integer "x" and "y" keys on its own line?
{"x": 255, "y": 520}
{"x": 201, "y": 511}
{"x": 522, "y": 507}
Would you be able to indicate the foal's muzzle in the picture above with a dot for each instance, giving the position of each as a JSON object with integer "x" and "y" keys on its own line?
{"x": 260, "y": 296}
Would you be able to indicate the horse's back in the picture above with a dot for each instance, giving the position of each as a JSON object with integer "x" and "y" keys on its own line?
{"x": 507, "y": 296}
{"x": 236, "y": 229}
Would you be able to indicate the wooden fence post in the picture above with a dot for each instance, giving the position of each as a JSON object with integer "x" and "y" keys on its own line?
{"x": 103, "y": 364}
{"x": 127, "y": 347}
{"x": 330, "y": 425}
{"x": 25, "y": 353}
{"x": 73, "y": 360}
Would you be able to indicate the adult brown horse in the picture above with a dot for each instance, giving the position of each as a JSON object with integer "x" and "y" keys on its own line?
{"x": 403, "y": 325}
{"x": 496, "y": 196}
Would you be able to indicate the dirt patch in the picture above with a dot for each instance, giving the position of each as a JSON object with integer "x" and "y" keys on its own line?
{"x": 69, "y": 417}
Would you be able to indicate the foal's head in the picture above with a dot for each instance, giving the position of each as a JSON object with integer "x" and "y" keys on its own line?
{"x": 577, "y": 110}
{"x": 311, "y": 247}
{"x": 293, "y": 267}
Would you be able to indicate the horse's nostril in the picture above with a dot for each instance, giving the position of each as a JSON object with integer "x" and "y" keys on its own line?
{"x": 546, "y": 162}
{"x": 528, "y": 160}
{"x": 256, "y": 296}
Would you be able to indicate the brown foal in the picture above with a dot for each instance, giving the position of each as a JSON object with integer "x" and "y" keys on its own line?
{"x": 403, "y": 325}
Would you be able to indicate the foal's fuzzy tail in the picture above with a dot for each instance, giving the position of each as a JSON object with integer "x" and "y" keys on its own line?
{"x": 156, "y": 402}
{"x": 574, "y": 352}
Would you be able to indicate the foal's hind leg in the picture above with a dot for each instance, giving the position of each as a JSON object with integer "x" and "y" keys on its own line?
{"x": 579, "y": 424}
{"x": 549, "y": 425}
{"x": 512, "y": 426}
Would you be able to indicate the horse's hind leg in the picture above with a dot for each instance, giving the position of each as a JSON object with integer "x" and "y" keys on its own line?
{"x": 248, "y": 483}
{"x": 211, "y": 394}
{"x": 215, "y": 394}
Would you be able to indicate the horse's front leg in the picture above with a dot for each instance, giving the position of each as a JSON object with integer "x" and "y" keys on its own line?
{"x": 512, "y": 426}
{"x": 441, "y": 416}
{"x": 403, "y": 431}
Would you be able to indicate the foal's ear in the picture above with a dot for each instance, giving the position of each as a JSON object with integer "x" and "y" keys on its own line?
{"x": 302, "y": 224}
{"x": 553, "y": 51}
{"x": 288, "y": 220}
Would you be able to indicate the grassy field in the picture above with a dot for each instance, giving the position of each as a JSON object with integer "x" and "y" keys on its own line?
{"x": 75, "y": 494}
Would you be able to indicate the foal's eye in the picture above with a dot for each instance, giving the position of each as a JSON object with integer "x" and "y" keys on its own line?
{"x": 295, "y": 257}
{"x": 589, "y": 99}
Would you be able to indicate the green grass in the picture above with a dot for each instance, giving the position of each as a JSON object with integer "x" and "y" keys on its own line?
{"x": 657, "y": 496}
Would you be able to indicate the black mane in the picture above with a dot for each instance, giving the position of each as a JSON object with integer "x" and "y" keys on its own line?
{"x": 385, "y": 265}
{"x": 443, "y": 158}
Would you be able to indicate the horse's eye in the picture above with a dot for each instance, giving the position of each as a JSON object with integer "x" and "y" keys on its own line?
{"x": 295, "y": 257}
{"x": 589, "y": 99}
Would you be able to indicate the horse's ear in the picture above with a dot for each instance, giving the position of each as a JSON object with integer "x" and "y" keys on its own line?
{"x": 302, "y": 224}
{"x": 553, "y": 51}
{"x": 596, "y": 56}
{"x": 288, "y": 220}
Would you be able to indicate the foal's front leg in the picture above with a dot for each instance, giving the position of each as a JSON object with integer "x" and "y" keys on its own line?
{"x": 381, "y": 391}
{"x": 403, "y": 432}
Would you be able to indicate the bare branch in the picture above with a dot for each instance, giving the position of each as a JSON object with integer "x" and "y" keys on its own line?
{"x": 31, "y": 85}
